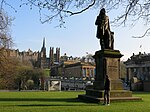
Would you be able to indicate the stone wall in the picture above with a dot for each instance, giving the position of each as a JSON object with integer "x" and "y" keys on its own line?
{"x": 73, "y": 71}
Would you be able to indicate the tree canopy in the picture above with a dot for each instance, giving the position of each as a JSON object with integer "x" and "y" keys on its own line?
{"x": 63, "y": 8}
{"x": 49, "y": 10}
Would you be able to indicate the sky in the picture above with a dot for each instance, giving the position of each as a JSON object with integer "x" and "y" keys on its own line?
{"x": 79, "y": 36}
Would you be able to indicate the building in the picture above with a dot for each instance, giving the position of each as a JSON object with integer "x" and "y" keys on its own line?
{"x": 37, "y": 58}
{"x": 74, "y": 67}
{"x": 138, "y": 71}
{"x": 46, "y": 62}
{"x": 80, "y": 70}
{"x": 24, "y": 55}
{"x": 66, "y": 66}
{"x": 73, "y": 74}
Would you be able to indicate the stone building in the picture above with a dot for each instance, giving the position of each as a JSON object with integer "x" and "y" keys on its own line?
{"x": 66, "y": 66}
{"x": 46, "y": 62}
{"x": 138, "y": 71}
{"x": 69, "y": 66}
{"x": 80, "y": 70}
{"x": 23, "y": 56}
{"x": 37, "y": 58}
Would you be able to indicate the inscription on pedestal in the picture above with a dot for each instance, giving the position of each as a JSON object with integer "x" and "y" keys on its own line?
{"x": 112, "y": 67}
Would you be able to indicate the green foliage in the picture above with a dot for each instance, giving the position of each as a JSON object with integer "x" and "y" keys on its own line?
{"x": 46, "y": 72}
{"x": 26, "y": 75}
{"x": 16, "y": 74}
{"x": 30, "y": 84}
{"x": 65, "y": 102}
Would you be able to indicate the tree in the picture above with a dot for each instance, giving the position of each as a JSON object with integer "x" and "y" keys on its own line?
{"x": 49, "y": 10}
{"x": 19, "y": 75}
{"x": 6, "y": 64}
{"x": 8, "y": 73}
{"x": 28, "y": 77}
{"x": 52, "y": 9}
{"x": 5, "y": 38}
{"x": 132, "y": 10}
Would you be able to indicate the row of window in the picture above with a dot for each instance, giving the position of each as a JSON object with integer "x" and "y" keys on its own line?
{"x": 88, "y": 72}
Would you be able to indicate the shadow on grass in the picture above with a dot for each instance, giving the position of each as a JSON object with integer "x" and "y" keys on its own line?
{"x": 140, "y": 92}
{"x": 70, "y": 100}
{"x": 61, "y": 102}
{"x": 42, "y": 105}
{"x": 41, "y": 99}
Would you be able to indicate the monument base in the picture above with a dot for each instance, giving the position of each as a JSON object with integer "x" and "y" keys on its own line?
{"x": 115, "y": 85}
{"x": 112, "y": 99}
{"x": 113, "y": 93}
{"x": 108, "y": 62}
{"x": 97, "y": 96}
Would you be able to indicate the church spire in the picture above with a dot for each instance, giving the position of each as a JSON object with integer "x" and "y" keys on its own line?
{"x": 43, "y": 49}
{"x": 44, "y": 42}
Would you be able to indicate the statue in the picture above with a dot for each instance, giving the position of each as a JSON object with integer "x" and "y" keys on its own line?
{"x": 103, "y": 31}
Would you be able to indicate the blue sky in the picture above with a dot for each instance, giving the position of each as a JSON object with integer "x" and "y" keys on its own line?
{"x": 77, "y": 38}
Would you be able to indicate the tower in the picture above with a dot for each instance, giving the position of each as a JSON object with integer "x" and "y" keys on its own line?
{"x": 43, "y": 56}
{"x": 51, "y": 56}
{"x": 57, "y": 54}
{"x": 43, "y": 50}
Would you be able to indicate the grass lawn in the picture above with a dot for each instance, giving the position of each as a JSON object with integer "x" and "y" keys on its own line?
{"x": 65, "y": 102}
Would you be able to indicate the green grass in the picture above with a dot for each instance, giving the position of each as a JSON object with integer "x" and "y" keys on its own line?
{"x": 65, "y": 102}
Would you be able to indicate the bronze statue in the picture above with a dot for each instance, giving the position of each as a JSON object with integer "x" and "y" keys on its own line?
{"x": 103, "y": 31}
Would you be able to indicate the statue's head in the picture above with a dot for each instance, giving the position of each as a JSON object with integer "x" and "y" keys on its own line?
{"x": 102, "y": 11}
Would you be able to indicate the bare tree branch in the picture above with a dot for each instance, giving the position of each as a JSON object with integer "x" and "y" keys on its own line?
{"x": 59, "y": 8}
{"x": 130, "y": 11}
{"x": 2, "y": 1}
{"x": 3, "y": 21}
{"x": 146, "y": 32}
{"x": 78, "y": 12}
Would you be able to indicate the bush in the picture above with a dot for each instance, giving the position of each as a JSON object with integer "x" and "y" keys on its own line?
{"x": 30, "y": 84}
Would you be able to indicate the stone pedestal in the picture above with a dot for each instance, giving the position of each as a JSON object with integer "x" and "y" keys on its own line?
{"x": 107, "y": 62}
